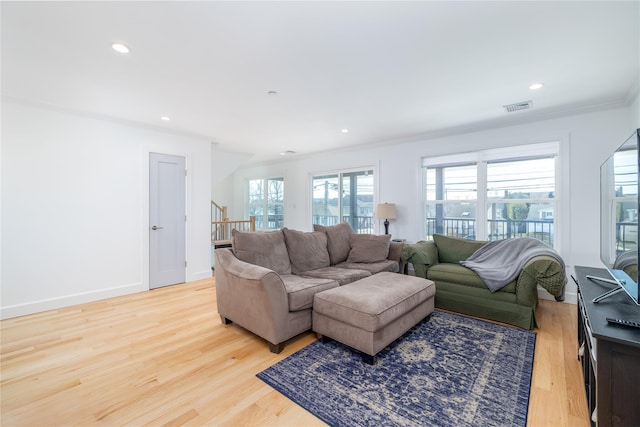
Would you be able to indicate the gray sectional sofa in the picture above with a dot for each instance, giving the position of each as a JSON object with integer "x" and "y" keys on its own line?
{"x": 266, "y": 282}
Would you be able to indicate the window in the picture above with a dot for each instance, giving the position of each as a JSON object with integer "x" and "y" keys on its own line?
{"x": 451, "y": 195}
{"x": 493, "y": 194}
{"x": 266, "y": 202}
{"x": 344, "y": 196}
{"x": 521, "y": 199}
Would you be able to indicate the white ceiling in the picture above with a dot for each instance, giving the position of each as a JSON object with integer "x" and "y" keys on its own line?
{"x": 387, "y": 71}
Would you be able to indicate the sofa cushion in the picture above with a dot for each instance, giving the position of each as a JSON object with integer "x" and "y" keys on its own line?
{"x": 456, "y": 273}
{"x": 264, "y": 248}
{"x": 300, "y": 290}
{"x": 368, "y": 248}
{"x": 337, "y": 240}
{"x": 375, "y": 302}
{"x": 307, "y": 251}
{"x": 454, "y": 249}
{"x": 373, "y": 267}
{"x": 341, "y": 275}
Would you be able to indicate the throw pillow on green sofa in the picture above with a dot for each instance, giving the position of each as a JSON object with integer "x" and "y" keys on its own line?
{"x": 454, "y": 249}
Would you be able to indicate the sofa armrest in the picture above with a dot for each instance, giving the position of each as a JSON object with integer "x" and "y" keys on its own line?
{"x": 395, "y": 252}
{"x": 422, "y": 255}
{"x": 252, "y": 296}
{"x": 542, "y": 270}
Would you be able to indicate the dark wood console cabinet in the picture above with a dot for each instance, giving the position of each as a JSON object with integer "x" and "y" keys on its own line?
{"x": 611, "y": 353}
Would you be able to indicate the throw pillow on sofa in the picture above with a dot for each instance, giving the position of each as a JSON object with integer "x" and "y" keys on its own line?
{"x": 264, "y": 248}
{"x": 307, "y": 251}
{"x": 368, "y": 248}
{"x": 337, "y": 240}
{"x": 454, "y": 249}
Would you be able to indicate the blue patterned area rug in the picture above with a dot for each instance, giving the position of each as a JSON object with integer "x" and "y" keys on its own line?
{"x": 450, "y": 371}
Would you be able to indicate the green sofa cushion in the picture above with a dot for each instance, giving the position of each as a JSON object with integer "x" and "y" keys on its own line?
{"x": 456, "y": 273}
{"x": 453, "y": 249}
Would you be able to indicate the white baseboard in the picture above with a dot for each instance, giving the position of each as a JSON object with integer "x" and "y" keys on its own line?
{"x": 201, "y": 275}
{"x": 81, "y": 298}
{"x": 69, "y": 300}
{"x": 569, "y": 296}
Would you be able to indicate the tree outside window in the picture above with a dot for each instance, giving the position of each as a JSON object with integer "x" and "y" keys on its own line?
{"x": 517, "y": 195}
{"x": 521, "y": 199}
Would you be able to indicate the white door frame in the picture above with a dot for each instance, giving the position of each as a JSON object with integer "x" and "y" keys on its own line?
{"x": 167, "y": 219}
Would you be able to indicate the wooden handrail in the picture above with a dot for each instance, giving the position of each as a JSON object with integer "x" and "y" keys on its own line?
{"x": 221, "y": 230}
{"x": 218, "y": 213}
{"x": 221, "y": 225}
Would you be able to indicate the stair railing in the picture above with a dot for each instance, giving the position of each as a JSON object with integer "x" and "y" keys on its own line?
{"x": 221, "y": 226}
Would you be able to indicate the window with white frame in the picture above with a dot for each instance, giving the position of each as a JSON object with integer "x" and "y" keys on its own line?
{"x": 344, "y": 197}
{"x": 493, "y": 194}
{"x": 266, "y": 202}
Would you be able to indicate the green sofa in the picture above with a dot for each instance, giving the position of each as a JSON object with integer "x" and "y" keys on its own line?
{"x": 460, "y": 289}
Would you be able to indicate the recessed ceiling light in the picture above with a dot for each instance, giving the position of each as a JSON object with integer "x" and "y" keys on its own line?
{"x": 119, "y": 47}
{"x": 345, "y": 131}
{"x": 165, "y": 118}
{"x": 536, "y": 86}
{"x": 287, "y": 153}
{"x": 272, "y": 92}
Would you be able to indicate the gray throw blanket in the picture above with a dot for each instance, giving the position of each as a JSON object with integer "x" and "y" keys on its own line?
{"x": 501, "y": 261}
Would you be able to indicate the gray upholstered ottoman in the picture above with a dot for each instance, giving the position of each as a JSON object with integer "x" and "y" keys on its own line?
{"x": 371, "y": 313}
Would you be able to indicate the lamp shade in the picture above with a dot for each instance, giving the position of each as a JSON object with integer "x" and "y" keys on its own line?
{"x": 386, "y": 211}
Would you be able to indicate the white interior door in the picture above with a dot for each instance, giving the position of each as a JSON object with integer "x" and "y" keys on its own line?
{"x": 167, "y": 220}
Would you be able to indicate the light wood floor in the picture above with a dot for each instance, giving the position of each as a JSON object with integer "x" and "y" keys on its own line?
{"x": 163, "y": 358}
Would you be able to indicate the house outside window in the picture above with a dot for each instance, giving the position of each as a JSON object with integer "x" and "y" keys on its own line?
{"x": 493, "y": 194}
{"x": 344, "y": 197}
{"x": 625, "y": 201}
{"x": 266, "y": 202}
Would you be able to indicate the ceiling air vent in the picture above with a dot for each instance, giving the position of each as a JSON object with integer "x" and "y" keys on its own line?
{"x": 517, "y": 106}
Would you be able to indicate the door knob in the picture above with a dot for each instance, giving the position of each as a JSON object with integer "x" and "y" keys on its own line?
{"x": 155, "y": 227}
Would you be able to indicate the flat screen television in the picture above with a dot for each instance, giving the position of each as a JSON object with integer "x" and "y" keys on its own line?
{"x": 619, "y": 243}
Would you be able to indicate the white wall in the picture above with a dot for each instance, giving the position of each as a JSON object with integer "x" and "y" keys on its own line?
{"x": 634, "y": 112}
{"x": 75, "y": 208}
{"x": 586, "y": 140}
{"x": 223, "y": 164}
